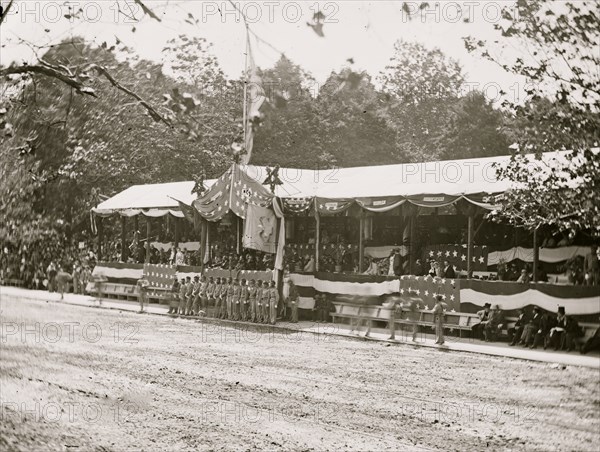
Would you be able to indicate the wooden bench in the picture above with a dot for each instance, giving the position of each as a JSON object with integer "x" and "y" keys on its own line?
{"x": 13, "y": 282}
{"x": 114, "y": 291}
{"x": 460, "y": 321}
{"x": 129, "y": 292}
{"x": 370, "y": 313}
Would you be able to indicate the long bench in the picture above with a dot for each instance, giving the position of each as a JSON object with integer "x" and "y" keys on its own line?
{"x": 371, "y": 313}
{"x": 13, "y": 282}
{"x": 113, "y": 291}
{"x": 129, "y": 292}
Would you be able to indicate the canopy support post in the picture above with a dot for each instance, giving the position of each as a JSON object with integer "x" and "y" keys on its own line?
{"x": 203, "y": 240}
{"x": 412, "y": 246}
{"x": 536, "y": 254}
{"x": 123, "y": 239}
{"x": 100, "y": 237}
{"x": 361, "y": 244}
{"x": 239, "y": 232}
{"x": 470, "y": 238}
{"x": 317, "y": 238}
{"x": 176, "y": 227}
{"x": 148, "y": 232}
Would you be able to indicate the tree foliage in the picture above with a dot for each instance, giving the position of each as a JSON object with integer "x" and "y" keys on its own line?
{"x": 560, "y": 63}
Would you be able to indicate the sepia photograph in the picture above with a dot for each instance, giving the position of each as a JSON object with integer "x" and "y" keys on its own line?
{"x": 302, "y": 225}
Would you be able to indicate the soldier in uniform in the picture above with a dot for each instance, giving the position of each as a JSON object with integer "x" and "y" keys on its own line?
{"x": 203, "y": 296}
{"x": 252, "y": 301}
{"x": 189, "y": 298}
{"x": 174, "y": 301}
{"x": 196, "y": 296}
{"x": 217, "y": 297}
{"x": 244, "y": 301}
{"x": 264, "y": 299}
{"x": 273, "y": 302}
{"x": 224, "y": 288}
{"x": 258, "y": 305}
{"x": 182, "y": 291}
{"x": 235, "y": 300}
{"x": 229, "y": 304}
{"x": 210, "y": 293}
{"x": 293, "y": 301}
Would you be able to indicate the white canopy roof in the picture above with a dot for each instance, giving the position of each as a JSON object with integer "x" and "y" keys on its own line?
{"x": 150, "y": 199}
{"x": 452, "y": 178}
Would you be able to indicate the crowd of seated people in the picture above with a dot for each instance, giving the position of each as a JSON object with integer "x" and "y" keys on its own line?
{"x": 43, "y": 265}
{"x": 557, "y": 331}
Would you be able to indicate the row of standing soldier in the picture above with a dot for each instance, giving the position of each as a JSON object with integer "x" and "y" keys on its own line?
{"x": 233, "y": 299}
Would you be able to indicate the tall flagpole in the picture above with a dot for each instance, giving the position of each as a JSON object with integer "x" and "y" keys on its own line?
{"x": 245, "y": 114}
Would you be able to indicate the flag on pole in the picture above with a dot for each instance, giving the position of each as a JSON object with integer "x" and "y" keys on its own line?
{"x": 261, "y": 229}
{"x": 254, "y": 98}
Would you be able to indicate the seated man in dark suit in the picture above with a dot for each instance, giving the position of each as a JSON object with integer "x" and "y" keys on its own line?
{"x": 531, "y": 328}
{"x": 517, "y": 331}
{"x": 495, "y": 321}
{"x": 448, "y": 271}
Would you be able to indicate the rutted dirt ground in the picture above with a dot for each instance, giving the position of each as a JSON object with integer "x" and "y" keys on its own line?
{"x": 74, "y": 378}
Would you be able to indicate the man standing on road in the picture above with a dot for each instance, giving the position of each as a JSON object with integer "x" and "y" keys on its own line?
{"x": 62, "y": 281}
{"x": 51, "y": 275}
{"x": 143, "y": 285}
{"x": 174, "y": 301}
{"x": 438, "y": 315}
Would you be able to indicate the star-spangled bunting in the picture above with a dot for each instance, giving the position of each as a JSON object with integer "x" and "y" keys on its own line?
{"x": 427, "y": 288}
{"x": 159, "y": 275}
{"x": 296, "y": 205}
{"x": 456, "y": 255}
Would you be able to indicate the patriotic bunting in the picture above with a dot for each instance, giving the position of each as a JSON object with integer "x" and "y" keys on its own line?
{"x": 159, "y": 276}
{"x": 332, "y": 206}
{"x": 426, "y": 288}
{"x": 456, "y": 255}
{"x": 296, "y": 205}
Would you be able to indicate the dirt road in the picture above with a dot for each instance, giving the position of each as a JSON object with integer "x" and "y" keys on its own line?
{"x": 74, "y": 378}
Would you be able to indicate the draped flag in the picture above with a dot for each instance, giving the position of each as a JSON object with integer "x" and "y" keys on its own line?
{"x": 256, "y": 97}
{"x": 188, "y": 211}
{"x": 427, "y": 288}
{"x": 160, "y": 276}
{"x": 261, "y": 229}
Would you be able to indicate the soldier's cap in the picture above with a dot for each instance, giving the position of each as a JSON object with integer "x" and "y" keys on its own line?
{"x": 272, "y": 283}
{"x": 188, "y": 278}
{"x": 265, "y": 283}
{"x": 196, "y": 277}
{"x": 243, "y": 280}
{"x": 182, "y": 279}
